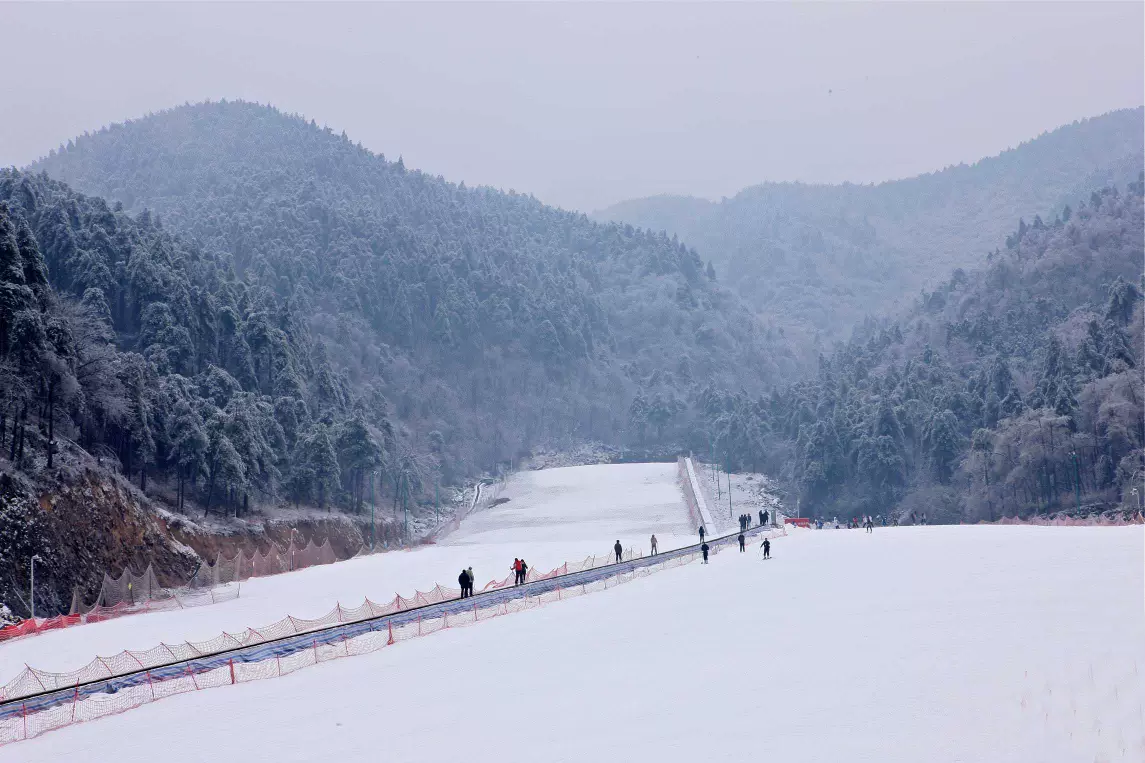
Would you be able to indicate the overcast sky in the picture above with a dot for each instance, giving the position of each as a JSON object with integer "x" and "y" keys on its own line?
{"x": 586, "y": 105}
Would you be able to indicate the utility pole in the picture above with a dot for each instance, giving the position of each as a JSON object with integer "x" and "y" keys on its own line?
{"x": 373, "y": 503}
{"x": 1076, "y": 481}
{"x": 729, "y": 471}
{"x": 405, "y": 505}
{"x": 32, "y": 592}
{"x": 715, "y": 476}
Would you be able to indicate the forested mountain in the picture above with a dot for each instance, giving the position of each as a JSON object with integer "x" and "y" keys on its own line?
{"x": 309, "y": 313}
{"x": 1014, "y": 388}
{"x": 815, "y": 260}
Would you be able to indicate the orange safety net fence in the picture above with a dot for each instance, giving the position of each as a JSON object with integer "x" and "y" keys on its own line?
{"x": 25, "y": 724}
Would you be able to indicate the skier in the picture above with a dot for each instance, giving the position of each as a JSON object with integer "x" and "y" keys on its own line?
{"x": 765, "y": 517}
{"x": 741, "y": 543}
{"x": 701, "y": 533}
{"x": 463, "y": 580}
{"x": 766, "y": 545}
{"x": 653, "y": 544}
{"x": 524, "y": 571}
{"x": 870, "y": 525}
{"x": 762, "y": 519}
{"x": 704, "y": 551}
{"x": 516, "y": 568}
{"x": 472, "y": 579}
{"x": 619, "y": 549}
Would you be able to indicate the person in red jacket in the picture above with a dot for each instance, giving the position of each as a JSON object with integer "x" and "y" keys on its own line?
{"x": 516, "y": 568}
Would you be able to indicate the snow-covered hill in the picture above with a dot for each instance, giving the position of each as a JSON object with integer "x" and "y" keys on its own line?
{"x": 552, "y": 516}
{"x": 974, "y": 643}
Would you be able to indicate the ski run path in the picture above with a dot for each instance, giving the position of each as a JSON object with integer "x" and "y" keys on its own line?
{"x": 972, "y": 643}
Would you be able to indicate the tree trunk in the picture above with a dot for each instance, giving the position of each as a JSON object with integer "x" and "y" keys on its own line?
{"x": 20, "y": 449}
{"x": 12, "y": 452}
{"x": 51, "y": 418}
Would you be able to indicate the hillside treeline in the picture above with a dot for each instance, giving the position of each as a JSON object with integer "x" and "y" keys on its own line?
{"x": 272, "y": 313}
{"x": 1011, "y": 389}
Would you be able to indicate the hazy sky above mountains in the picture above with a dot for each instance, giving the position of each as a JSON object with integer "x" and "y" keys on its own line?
{"x": 586, "y": 105}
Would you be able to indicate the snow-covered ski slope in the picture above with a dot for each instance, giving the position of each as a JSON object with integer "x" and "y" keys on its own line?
{"x": 910, "y": 644}
{"x": 552, "y": 516}
{"x": 574, "y": 504}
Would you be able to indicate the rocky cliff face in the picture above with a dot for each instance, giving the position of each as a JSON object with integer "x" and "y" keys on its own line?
{"x": 89, "y": 521}
{"x": 81, "y": 527}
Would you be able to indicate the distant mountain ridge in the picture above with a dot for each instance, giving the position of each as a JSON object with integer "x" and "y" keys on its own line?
{"x": 1009, "y": 389}
{"x": 817, "y": 259}
{"x": 456, "y": 327}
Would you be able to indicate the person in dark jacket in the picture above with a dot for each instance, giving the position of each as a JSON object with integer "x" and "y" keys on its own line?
{"x": 765, "y": 517}
{"x": 619, "y": 549}
{"x": 766, "y": 545}
{"x": 741, "y": 543}
{"x": 701, "y": 533}
{"x": 704, "y": 551}
{"x": 524, "y": 571}
{"x": 463, "y": 581}
{"x": 654, "y": 549}
{"x": 762, "y": 519}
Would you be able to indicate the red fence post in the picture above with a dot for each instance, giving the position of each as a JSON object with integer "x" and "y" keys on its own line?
{"x": 75, "y": 699}
{"x": 232, "y": 664}
{"x": 391, "y": 629}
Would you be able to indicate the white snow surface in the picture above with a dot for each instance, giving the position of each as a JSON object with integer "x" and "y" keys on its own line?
{"x": 933, "y": 644}
{"x": 552, "y": 516}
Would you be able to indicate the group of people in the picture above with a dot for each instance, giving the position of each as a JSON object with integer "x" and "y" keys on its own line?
{"x": 766, "y": 546}
{"x": 466, "y": 580}
{"x": 520, "y": 570}
{"x": 867, "y": 522}
{"x": 745, "y": 520}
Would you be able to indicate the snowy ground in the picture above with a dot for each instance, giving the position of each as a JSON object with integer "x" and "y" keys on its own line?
{"x": 626, "y": 502}
{"x": 750, "y": 494}
{"x": 909, "y": 644}
{"x": 552, "y": 516}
